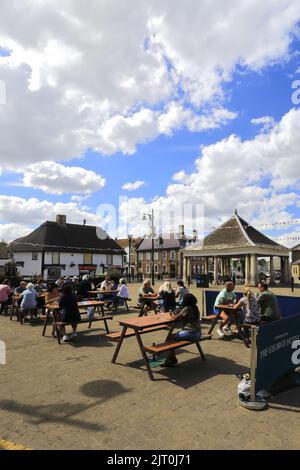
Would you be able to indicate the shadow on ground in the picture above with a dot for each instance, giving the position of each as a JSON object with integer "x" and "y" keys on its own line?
{"x": 188, "y": 373}
{"x": 64, "y": 412}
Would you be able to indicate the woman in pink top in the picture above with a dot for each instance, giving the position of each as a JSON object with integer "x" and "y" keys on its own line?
{"x": 4, "y": 295}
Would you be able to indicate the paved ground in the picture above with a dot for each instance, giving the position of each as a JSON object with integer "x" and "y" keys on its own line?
{"x": 72, "y": 397}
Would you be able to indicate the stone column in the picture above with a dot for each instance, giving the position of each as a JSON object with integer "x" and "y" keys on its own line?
{"x": 206, "y": 265}
{"x": 215, "y": 270}
{"x": 272, "y": 277}
{"x": 222, "y": 267}
{"x": 188, "y": 269}
{"x": 184, "y": 270}
{"x": 287, "y": 270}
{"x": 247, "y": 269}
{"x": 253, "y": 271}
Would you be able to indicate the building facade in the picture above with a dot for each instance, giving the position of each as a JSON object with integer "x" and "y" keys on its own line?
{"x": 168, "y": 256}
{"x": 60, "y": 249}
{"x": 130, "y": 259}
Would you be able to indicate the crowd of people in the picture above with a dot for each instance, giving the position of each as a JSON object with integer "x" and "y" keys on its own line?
{"x": 250, "y": 308}
{"x": 33, "y": 297}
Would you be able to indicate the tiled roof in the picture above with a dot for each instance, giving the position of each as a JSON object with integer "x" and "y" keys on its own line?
{"x": 3, "y": 251}
{"x": 236, "y": 233}
{"x": 52, "y": 236}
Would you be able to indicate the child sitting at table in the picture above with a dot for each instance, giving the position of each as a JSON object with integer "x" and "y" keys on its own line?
{"x": 189, "y": 320}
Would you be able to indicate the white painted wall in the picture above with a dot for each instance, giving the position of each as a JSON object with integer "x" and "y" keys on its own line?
{"x": 30, "y": 267}
{"x": 34, "y": 267}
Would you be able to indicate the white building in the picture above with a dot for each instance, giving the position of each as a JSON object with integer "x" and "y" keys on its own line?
{"x": 58, "y": 248}
{"x": 3, "y": 258}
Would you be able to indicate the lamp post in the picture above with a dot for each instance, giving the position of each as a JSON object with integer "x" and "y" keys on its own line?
{"x": 151, "y": 218}
{"x": 129, "y": 257}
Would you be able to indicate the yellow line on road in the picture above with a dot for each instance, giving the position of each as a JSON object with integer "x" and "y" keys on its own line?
{"x": 7, "y": 445}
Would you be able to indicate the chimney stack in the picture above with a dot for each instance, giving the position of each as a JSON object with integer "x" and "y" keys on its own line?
{"x": 195, "y": 234}
{"x": 61, "y": 219}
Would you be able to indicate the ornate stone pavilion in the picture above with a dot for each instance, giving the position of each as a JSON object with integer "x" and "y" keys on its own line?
{"x": 237, "y": 239}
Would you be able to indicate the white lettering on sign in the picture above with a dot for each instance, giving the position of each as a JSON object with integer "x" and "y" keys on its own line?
{"x": 296, "y": 354}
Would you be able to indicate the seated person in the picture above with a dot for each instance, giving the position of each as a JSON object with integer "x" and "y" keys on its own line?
{"x": 28, "y": 303}
{"x": 21, "y": 288}
{"x": 189, "y": 321}
{"x": 122, "y": 291}
{"x": 52, "y": 294}
{"x": 40, "y": 286}
{"x": 181, "y": 292}
{"x": 268, "y": 303}
{"x": 225, "y": 297}
{"x": 145, "y": 290}
{"x": 168, "y": 297}
{"x": 5, "y": 292}
{"x": 250, "y": 309}
{"x": 84, "y": 287}
{"x": 69, "y": 311}
{"x": 107, "y": 284}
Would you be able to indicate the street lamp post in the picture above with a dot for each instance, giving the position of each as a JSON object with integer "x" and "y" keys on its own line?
{"x": 129, "y": 258}
{"x": 151, "y": 217}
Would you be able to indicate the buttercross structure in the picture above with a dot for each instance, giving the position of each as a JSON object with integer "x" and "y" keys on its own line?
{"x": 237, "y": 239}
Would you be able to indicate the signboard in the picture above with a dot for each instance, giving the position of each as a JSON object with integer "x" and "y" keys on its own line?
{"x": 276, "y": 351}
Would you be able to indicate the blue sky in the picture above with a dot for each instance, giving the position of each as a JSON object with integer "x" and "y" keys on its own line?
{"x": 252, "y": 83}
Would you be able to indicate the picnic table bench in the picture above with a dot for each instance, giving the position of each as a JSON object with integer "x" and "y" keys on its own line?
{"x": 54, "y": 308}
{"x": 138, "y": 326}
{"x": 114, "y": 300}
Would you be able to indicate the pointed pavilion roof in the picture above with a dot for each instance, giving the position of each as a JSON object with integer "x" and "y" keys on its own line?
{"x": 238, "y": 235}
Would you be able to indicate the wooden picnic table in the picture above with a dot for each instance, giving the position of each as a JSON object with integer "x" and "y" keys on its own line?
{"x": 16, "y": 303}
{"x": 144, "y": 300}
{"x": 54, "y": 308}
{"x": 140, "y": 325}
{"x": 102, "y": 292}
{"x": 230, "y": 309}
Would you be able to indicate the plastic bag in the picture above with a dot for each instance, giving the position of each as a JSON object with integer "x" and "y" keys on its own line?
{"x": 90, "y": 313}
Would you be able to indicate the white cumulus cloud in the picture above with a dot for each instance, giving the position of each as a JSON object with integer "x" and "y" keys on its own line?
{"x": 54, "y": 178}
{"x": 133, "y": 186}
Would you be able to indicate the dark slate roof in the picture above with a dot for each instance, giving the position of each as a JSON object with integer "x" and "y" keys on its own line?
{"x": 236, "y": 233}
{"x": 167, "y": 243}
{"x": 3, "y": 251}
{"x": 70, "y": 238}
{"x": 296, "y": 248}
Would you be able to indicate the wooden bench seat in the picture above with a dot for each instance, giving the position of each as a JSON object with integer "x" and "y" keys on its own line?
{"x": 170, "y": 345}
{"x": 130, "y": 332}
{"x": 208, "y": 318}
{"x": 104, "y": 318}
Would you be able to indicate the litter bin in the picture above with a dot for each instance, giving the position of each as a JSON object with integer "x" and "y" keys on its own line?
{"x": 202, "y": 280}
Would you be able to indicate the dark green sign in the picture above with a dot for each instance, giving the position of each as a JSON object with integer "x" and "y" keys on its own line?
{"x": 278, "y": 351}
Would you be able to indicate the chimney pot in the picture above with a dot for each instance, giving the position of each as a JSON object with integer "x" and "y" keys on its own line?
{"x": 61, "y": 219}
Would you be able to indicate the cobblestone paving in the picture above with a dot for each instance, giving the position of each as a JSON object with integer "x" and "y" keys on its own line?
{"x": 72, "y": 396}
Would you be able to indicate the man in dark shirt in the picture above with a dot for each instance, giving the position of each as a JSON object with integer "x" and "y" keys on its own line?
{"x": 268, "y": 303}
